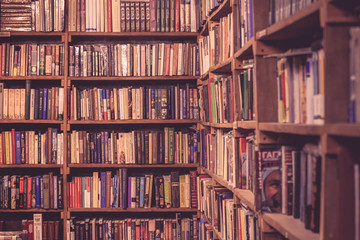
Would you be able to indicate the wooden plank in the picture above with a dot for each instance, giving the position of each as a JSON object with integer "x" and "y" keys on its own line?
{"x": 22, "y": 78}
{"x": 246, "y": 124}
{"x": 144, "y": 78}
{"x": 246, "y": 51}
{"x": 223, "y": 67}
{"x": 100, "y": 165}
{"x": 223, "y": 10}
{"x": 18, "y": 166}
{"x": 135, "y": 34}
{"x": 32, "y": 210}
{"x": 31, "y": 121}
{"x": 292, "y": 128}
{"x": 343, "y": 129}
{"x": 135, "y": 121}
{"x": 289, "y": 227}
{"x": 132, "y": 210}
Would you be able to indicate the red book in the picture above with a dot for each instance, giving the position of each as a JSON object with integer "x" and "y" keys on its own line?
{"x": 13, "y": 146}
{"x": 193, "y": 188}
{"x": 109, "y": 20}
{"x": 29, "y": 190}
{"x": 177, "y": 15}
{"x": 1, "y": 49}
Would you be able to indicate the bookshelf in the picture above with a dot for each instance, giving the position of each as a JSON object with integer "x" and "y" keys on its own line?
{"x": 320, "y": 24}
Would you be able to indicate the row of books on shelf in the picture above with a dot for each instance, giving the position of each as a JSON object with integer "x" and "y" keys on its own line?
{"x": 31, "y": 104}
{"x": 31, "y": 192}
{"x": 30, "y": 229}
{"x": 290, "y": 182}
{"x": 31, "y": 147}
{"x": 134, "y": 16}
{"x": 135, "y": 147}
{"x": 144, "y": 102}
{"x": 207, "y": 7}
{"x": 155, "y": 228}
{"x": 156, "y": 59}
{"x": 31, "y": 59}
{"x": 119, "y": 190}
{"x": 280, "y": 10}
{"x": 245, "y": 22}
{"x": 354, "y": 71}
{"x": 39, "y": 16}
{"x": 231, "y": 220}
{"x": 301, "y": 88}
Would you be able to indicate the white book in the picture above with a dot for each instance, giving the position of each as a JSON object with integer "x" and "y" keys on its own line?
{"x": 134, "y": 103}
{"x": 22, "y": 103}
{"x": 171, "y": 59}
{"x": 138, "y": 103}
{"x": 77, "y": 148}
{"x": 36, "y": 148}
{"x": 124, "y": 60}
{"x": 126, "y": 103}
{"x": 55, "y": 186}
{"x": 105, "y": 17}
{"x": 61, "y": 103}
{"x": 56, "y": 15}
{"x": 116, "y": 15}
{"x": 31, "y": 147}
{"x": 42, "y": 147}
{"x": 62, "y": 15}
{"x": 37, "y": 226}
{"x": 153, "y": 61}
{"x": 6, "y": 104}
{"x": 161, "y": 59}
{"x": 98, "y": 10}
{"x": 32, "y": 103}
{"x": 138, "y": 50}
{"x": 121, "y": 103}
{"x": 193, "y": 20}
{"x": 11, "y": 107}
{"x": 87, "y": 15}
{"x": 116, "y": 104}
{"x": 180, "y": 59}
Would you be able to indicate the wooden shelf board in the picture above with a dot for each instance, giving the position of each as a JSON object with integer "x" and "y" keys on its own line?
{"x": 205, "y": 30}
{"x": 302, "y": 22}
{"x": 22, "y": 78}
{"x": 32, "y": 121}
{"x": 32, "y": 34}
{"x": 205, "y": 76}
{"x": 135, "y": 35}
{"x": 31, "y": 166}
{"x": 216, "y": 232}
{"x": 223, "y": 67}
{"x": 31, "y": 210}
{"x": 292, "y": 128}
{"x": 143, "y": 78}
{"x": 246, "y": 196}
{"x": 289, "y": 227}
{"x": 99, "y": 165}
{"x": 246, "y": 51}
{"x": 133, "y": 210}
{"x": 218, "y": 125}
{"x": 224, "y": 9}
{"x": 246, "y": 124}
{"x": 135, "y": 121}
{"x": 344, "y": 129}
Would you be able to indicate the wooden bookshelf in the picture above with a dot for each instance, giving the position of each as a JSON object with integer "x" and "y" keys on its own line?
{"x": 222, "y": 10}
{"x": 133, "y": 122}
{"x": 32, "y": 210}
{"x": 245, "y": 196}
{"x": 292, "y": 128}
{"x": 103, "y": 165}
{"x": 129, "y": 210}
{"x": 223, "y": 67}
{"x": 37, "y": 78}
{"x": 289, "y": 227}
{"x": 249, "y": 125}
{"x": 218, "y": 125}
{"x": 204, "y": 76}
{"x": 32, "y": 121}
{"x": 343, "y": 129}
{"x": 131, "y": 79}
{"x": 246, "y": 52}
{"x": 215, "y": 231}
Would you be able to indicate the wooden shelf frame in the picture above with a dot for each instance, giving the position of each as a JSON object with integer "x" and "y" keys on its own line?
{"x": 293, "y": 128}
{"x": 21, "y": 166}
{"x": 132, "y": 122}
{"x": 132, "y": 78}
{"x": 130, "y": 210}
{"x": 154, "y": 166}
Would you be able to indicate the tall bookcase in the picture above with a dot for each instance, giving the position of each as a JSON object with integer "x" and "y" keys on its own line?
{"x": 319, "y": 25}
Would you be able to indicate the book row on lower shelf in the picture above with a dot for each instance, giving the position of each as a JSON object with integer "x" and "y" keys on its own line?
{"x": 134, "y": 16}
{"x": 301, "y": 88}
{"x": 31, "y": 147}
{"x": 156, "y": 59}
{"x": 31, "y": 104}
{"x": 121, "y": 190}
{"x": 144, "y": 102}
{"x": 135, "y": 147}
{"x": 231, "y": 220}
{"x": 32, "y": 59}
{"x": 31, "y": 192}
{"x": 290, "y": 182}
{"x": 36, "y": 16}
{"x": 180, "y": 227}
{"x": 30, "y": 229}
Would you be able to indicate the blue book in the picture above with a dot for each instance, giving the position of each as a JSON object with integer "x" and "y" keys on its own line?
{"x": 124, "y": 187}
{"x": 114, "y": 202}
{"x": 142, "y": 191}
{"x": 45, "y": 100}
{"x": 103, "y": 189}
{"x": 106, "y": 150}
{"x": 184, "y": 104}
{"x": 195, "y": 147}
{"x": 18, "y": 147}
{"x": 38, "y": 196}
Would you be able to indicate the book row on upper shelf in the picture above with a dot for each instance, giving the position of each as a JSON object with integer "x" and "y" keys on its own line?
{"x": 231, "y": 220}
{"x": 31, "y": 192}
{"x": 180, "y": 227}
{"x": 120, "y": 190}
{"x": 31, "y": 59}
{"x": 31, "y": 104}
{"x": 354, "y": 88}
{"x": 156, "y": 59}
{"x": 27, "y": 15}
{"x": 280, "y": 10}
{"x": 35, "y": 228}
{"x": 134, "y": 16}
{"x": 135, "y": 147}
{"x": 144, "y": 102}
{"x": 301, "y": 88}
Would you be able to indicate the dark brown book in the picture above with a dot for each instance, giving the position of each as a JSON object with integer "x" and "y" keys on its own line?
{"x": 123, "y": 22}
{"x": 193, "y": 189}
{"x": 46, "y": 186}
{"x": 51, "y": 189}
{"x": 132, "y": 17}
{"x": 57, "y": 230}
{"x": 137, "y": 16}
{"x": 108, "y": 189}
{"x": 161, "y": 193}
{"x": 51, "y": 230}
{"x": 142, "y": 17}
{"x": 175, "y": 189}
{"x": 45, "y": 230}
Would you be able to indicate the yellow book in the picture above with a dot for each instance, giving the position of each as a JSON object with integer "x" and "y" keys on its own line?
{"x": 167, "y": 190}
{"x": 7, "y": 147}
{"x": 95, "y": 190}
